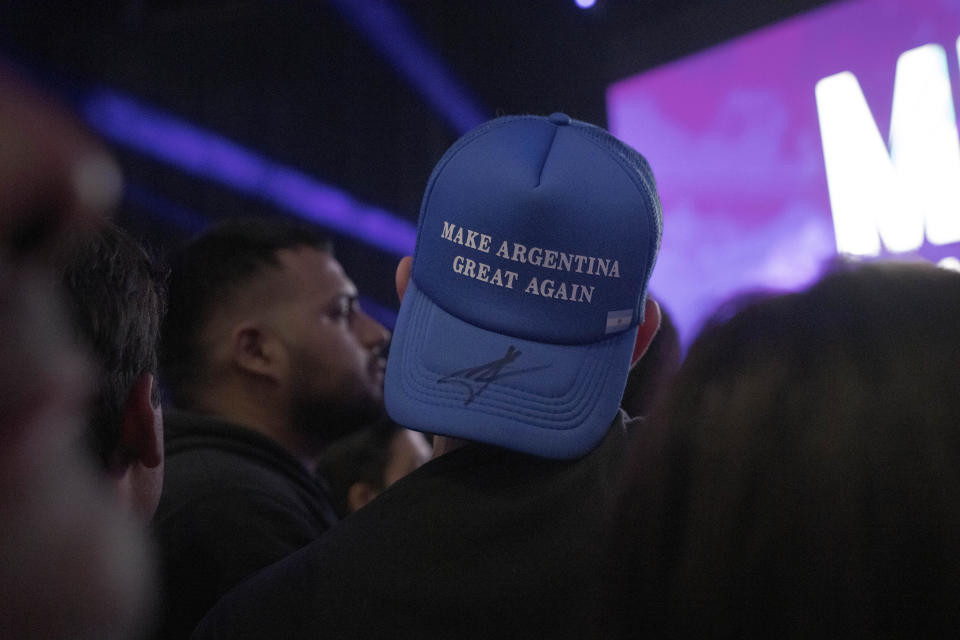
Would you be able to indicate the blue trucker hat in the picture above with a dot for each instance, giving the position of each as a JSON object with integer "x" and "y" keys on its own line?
{"x": 536, "y": 240}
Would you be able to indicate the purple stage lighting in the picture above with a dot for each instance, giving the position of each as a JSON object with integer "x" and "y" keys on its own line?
{"x": 832, "y": 133}
{"x": 210, "y": 156}
{"x": 586, "y": 4}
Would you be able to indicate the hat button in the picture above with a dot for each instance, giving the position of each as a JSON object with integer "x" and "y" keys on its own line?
{"x": 559, "y": 119}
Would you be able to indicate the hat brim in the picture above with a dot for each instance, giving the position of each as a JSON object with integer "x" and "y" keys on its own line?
{"x": 450, "y": 377}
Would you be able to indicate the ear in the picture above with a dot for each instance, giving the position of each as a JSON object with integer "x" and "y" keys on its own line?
{"x": 141, "y": 427}
{"x": 646, "y": 331}
{"x": 403, "y": 276}
{"x": 360, "y": 494}
{"x": 256, "y": 350}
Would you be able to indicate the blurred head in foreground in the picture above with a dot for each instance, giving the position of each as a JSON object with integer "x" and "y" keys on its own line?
{"x": 801, "y": 477}
{"x": 73, "y": 563}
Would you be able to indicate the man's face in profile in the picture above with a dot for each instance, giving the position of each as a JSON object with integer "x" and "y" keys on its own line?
{"x": 336, "y": 350}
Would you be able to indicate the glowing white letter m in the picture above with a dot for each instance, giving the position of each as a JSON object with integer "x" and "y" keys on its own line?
{"x": 893, "y": 196}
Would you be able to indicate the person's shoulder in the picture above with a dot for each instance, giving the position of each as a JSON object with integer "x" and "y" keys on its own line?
{"x": 213, "y": 467}
{"x": 207, "y": 451}
{"x": 207, "y": 468}
{"x": 187, "y": 430}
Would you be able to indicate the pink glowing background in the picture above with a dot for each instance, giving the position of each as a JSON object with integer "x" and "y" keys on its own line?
{"x": 734, "y": 141}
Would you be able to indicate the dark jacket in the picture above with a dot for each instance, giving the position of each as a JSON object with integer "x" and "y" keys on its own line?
{"x": 478, "y": 543}
{"x": 233, "y": 502}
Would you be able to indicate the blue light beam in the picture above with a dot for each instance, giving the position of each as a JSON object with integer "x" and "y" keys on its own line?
{"x": 207, "y": 155}
{"x": 392, "y": 34}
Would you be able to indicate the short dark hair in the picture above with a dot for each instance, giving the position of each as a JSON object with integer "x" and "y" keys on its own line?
{"x": 800, "y": 478}
{"x": 116, "y": 299}
{"x": 206, "y": 273}
{"x": 359, "y": 457}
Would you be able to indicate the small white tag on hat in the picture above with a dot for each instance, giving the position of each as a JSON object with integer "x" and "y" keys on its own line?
{"x": 617, "y": 320}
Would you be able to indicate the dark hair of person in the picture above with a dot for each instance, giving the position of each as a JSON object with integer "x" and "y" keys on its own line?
{"x": 649, "y": 377}
{"x": 360, "y": 457}
{"x": 801, "y": 477}
{"x": 206, "y": 273}
{"x": 116, "y": 299}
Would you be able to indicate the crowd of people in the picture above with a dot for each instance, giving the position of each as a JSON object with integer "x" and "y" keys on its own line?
{"x": 216, "y": 445}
